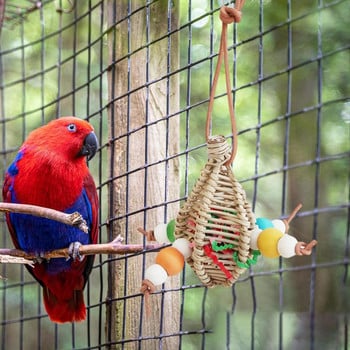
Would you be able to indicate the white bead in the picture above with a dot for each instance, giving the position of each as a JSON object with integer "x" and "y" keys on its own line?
{"x": 286, "y": 246}
{"x": 254, "y": 238}
{"x": 280, "y": 225}
{"x": 183, "y": 246}
{"x": 156, "y": 274}
{"x": 160, "y": 233}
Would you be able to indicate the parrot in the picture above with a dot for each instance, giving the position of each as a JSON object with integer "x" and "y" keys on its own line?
{"x": 50, "y": 170}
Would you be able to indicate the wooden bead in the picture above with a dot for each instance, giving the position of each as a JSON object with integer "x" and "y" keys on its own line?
{"x": 160, "y": 233}
{"x": 171, "y": 260}
{"x": 183, "y": 246}
{"x": 264, "y": 223}
{"x": 267, "y": 242}
{"x": 280, "y": 225}
{"x": 156, "y": 274}
{"x": 286, "y": 246}
{"x": 170, "y": 230}
{"x": 254, "y": 238}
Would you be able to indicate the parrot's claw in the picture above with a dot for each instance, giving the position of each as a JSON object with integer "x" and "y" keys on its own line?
{"x": 73, "y": 251}
{"x": 39, "y": 258}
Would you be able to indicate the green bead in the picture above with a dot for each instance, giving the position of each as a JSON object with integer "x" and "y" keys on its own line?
{"x": 170, "y": 230}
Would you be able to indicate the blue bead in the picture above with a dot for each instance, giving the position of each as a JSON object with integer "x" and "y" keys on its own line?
{"x": 264, "y": 223}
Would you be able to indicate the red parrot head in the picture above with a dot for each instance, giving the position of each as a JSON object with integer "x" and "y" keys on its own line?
{"x": 69, "y": 137}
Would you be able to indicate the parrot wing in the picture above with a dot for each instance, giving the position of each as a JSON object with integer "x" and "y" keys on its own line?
{"x": 6, "y": 194}
{"x": 90, "y": 190}
{"x": 62, "y": 281}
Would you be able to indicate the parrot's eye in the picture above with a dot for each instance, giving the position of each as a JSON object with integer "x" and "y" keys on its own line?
{"x": 72, "y": 127}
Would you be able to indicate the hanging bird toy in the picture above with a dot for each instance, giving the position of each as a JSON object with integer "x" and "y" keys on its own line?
{"x": 216, "y": 231}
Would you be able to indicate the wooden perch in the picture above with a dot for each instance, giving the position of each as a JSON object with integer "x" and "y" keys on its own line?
{"x": 74, "y": 219}
{"x": 114, "y": 247}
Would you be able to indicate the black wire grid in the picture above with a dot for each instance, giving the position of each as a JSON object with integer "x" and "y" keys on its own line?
{"x": 54, "y": 61}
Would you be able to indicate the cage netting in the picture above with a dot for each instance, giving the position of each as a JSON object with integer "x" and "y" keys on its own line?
{"x": 140, "y": 72}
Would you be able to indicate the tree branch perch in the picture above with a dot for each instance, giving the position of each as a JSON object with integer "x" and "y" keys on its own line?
{"x": 74, "y": 219}
{"x": 114, "y": 247}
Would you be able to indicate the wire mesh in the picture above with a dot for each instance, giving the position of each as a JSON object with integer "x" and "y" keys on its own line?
{"x": 290, "y": 67}
{"x": 52, "y": 64}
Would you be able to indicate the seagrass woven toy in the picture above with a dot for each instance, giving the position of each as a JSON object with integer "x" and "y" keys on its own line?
{"x": 216, "y": 231}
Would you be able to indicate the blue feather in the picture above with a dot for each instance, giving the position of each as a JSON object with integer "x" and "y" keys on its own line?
{"x": 38, "y": 235}
{"x": 13, "y": 169}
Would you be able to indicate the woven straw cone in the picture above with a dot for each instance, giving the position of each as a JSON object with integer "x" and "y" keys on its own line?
{"x": 216, "y": 209}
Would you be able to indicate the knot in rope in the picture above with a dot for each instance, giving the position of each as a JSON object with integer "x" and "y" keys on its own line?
{"x": 147, "y": 288}
{"x": 229, "y": 15}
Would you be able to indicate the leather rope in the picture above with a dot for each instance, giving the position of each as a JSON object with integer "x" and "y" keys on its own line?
{"x": 228, "y": 15}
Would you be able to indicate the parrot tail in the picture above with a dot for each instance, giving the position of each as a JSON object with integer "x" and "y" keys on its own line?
{"x": 65, "y": 310}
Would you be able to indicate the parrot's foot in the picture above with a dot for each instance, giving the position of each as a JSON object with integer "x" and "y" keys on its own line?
{"x": 73, "y": 251}
{"x": 39, "y": 258}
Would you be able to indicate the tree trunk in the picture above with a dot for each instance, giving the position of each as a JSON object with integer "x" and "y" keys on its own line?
{"x": 143, "y": 138}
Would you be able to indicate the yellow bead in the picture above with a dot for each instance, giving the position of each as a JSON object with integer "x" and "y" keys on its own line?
{"x": 268, "y": 242}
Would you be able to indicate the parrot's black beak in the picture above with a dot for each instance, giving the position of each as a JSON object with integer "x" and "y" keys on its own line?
{"x": 90, "y": 146}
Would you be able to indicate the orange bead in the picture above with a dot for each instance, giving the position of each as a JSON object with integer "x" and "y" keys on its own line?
{"x": 171, "y": 260}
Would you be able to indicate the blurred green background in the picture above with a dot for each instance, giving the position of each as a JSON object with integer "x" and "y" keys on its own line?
{"x": 290, "y": 68}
